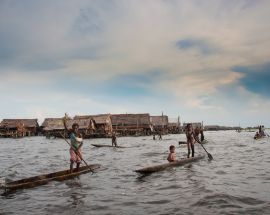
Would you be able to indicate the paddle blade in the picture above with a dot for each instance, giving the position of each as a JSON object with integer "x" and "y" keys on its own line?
{"x": 210, "y": 156}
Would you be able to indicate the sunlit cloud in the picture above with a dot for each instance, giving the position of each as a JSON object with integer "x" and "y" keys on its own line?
{"x": 135, "y": 56}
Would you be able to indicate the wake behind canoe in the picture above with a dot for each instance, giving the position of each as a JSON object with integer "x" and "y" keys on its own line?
{"x": 104, "y": 145}
{"x": 161, "y": 167}
{"x": 44, "y": 179}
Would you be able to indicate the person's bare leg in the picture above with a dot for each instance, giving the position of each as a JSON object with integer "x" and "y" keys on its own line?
{"x": 188, "y": 149}
{"x": 71, "y": 166}
{"x": 78, "y": 166}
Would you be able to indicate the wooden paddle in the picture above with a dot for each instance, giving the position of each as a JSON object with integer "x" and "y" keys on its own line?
{"x": 208, "y": 154}
{"x": 76, "y": 152}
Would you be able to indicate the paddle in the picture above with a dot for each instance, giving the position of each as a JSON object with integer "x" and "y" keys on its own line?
{"x": 208, "y": 154}
{"x": 77, "y": 153}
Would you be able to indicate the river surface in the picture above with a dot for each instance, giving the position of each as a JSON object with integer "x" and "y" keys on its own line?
{"x": 237, "y": 181}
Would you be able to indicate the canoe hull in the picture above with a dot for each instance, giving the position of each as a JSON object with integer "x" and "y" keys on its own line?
{"x": 184, "y": 142}
{"x": 259, "y": 138}
{"x": 46, "y": 178}
{"x": 110, "y": 146}
{"x": 161, "y": 167}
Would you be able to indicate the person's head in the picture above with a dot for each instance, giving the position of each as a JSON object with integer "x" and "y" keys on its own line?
{"x": 189, "y": 126}
{"x": 172, "y": 148}
{"x": 75, "y": 127}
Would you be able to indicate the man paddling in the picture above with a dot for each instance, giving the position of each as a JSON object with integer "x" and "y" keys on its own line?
{"x": 114, "y": 141}
{"x": 190, "y": 139}
{"x": 76, "y": 145}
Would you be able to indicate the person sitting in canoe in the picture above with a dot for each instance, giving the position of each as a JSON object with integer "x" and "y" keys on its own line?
{"x": 190, "y": 139}
{"x": 114, "y": 141}
{"x": 202, "y": 135}
{"x": 198, "y": 131}
{"x": 257, "y": 135}
{"x": 76, "y": 145}
{"x": 172, "y": 156}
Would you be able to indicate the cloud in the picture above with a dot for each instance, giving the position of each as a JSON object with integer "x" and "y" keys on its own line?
{"x": 178, "y": 56}
{"x": 203, "y": 46}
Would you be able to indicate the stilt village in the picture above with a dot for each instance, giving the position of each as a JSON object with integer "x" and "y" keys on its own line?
{"x": 100, "y": 126}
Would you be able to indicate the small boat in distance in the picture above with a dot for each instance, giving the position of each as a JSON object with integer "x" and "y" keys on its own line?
{"x": 105, "y": 145}
{"x": 46, "y": 178}
{"x": 157, "y": 168}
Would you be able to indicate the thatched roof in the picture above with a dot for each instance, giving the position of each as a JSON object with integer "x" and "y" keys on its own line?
{"x": 159, "y": 120}
{"x": 130, "y": 119}
{"x": 50, "y": 124}
{"x": 83, "y": 123}
{"x": 53, "y": 124}
{"x": 194, "y": 124}
{"x": 99, "y": 119}
{"x": 14, "y": 123}
{"x": 173, "y": 124}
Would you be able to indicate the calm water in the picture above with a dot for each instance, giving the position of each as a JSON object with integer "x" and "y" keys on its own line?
{"x": 237, "y": 181}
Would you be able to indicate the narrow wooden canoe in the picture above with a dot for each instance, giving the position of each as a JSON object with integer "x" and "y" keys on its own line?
{"x": 104, "y": 145}
{"x": 259, "y": 138}
{"x": 157, "y": 168}
{"x": 46, "y": 178}
{"x": 184, "y": 142}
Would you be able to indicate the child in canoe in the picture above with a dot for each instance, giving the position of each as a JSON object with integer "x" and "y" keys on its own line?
{"x": 172, "y": 156}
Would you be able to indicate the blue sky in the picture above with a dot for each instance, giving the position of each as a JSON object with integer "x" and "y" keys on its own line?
{"x": 200, "y": 60}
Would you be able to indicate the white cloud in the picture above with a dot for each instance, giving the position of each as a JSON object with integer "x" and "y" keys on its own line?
{"x": 98, "y": 40}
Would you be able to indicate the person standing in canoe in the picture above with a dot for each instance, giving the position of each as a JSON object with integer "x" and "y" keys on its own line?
{"x": 190, "y": 139}
{"x": 114, "y": 141}
{"x": 76, "y": 145}
{"x": 160, "y": 135}
{"x": 172, "y": 156}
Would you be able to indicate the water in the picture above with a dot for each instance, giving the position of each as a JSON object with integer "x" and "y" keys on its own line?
{"x": 237, "y": 181}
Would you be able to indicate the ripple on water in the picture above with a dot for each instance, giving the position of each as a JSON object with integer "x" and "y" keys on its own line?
{"x": 157, "y": 202}
{"x": 170, "y": 187}
{"x": 227, "y": 201}
{"x": 220, "y": 172}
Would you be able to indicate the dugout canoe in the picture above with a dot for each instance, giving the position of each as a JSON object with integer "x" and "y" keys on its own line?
{"x": 46, "y": 178}
{"x": 157, "y": 168}
{"x": 184, "y": 142}
{"x": 105, "y": 145}
{"x": 259, "y": 138}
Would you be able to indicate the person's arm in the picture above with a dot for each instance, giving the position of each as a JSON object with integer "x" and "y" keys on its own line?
{"x": 169, "y": 157}
{"x": 80, "y": 146}
{"x": 197, "y": 139}
{"x": 174, "y": 157}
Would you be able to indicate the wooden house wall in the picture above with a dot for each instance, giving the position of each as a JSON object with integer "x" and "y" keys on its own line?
{"x": 131, "y": 124}
{"x": 19, "y": 127}
{"x": 103, "y": 125}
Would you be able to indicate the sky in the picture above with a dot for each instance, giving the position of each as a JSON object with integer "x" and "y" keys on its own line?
{"x": 200, "y": 60}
